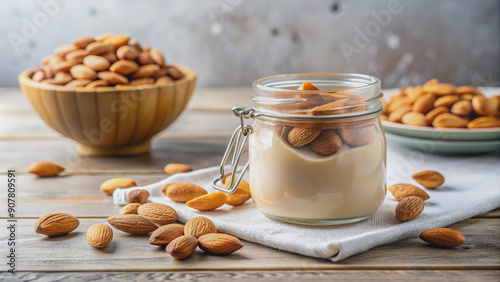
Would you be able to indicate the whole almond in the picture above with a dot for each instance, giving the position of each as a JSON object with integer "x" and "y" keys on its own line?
{"x": 466, "y": 89}
{"x": 137, "y": 196}
{"x": 357, "y": 135}
{"x": 99, "y": 235}
{"x": 467, "y": 96}
{"x": 430, "y": 116}
{"x": 397, "y": 115}
{"x": 403, "y": 190}
{"x": 447, "y": 120}
{"x": 238, "y": 197}
{"x": 461, "y": 108}
{"x": 77, "y": 83}
{"x": 96, "y": 83}
{"x": 300, "y": 136}
{"x": 174, "y": 73}
{"x": 484, "y": 122}
{"x": 429, "y": 178}
{"x": 199, "y": 226}
{"x": 129, "y": 208}
{"x": 62, "y": 66}
{"x": 103, "y": 36}
{"x": 132, "y": 223}
{"x": 110, "y": 56}
{"x": 429, "y": 83}
{"x": 47, "y": 71}
{"x": 414, "y": 118}
{"x": 98, "y": 48}
{"x": 174, "y": 168}
{"x": 62, "y": 78}
{"x": 182, "y": 247}
{"x": 76, "y": 56}
{"x": 116, "y": 40}
{"x": 208, "y": 202}
{"x": 400, "y": 103}
{"x": 56, "y": 224}
{"x": 328, "y": 142}
{"x": 157, "y": 56}
{"x": 424, "y": 103}
{"x": 184, "y": 191}
{"x": 447, "y": 100}
{"x": 146, "y": 71}
{"x": 219, "y": 244}
{"x": 53, "y": 81}
{"x": 443, "y": 237}
{"x": 64, "y": 50}
{"x": 158, "y": 213}
{"x": 112, "y": 77}
{"x": 164, "y": 80}
{"x": 38, "y": 76}
{"x": 45, "y": 169}
{"x": 145, "y": 58}
{"x": 166, "y": 234}
{"x": 110, "y": 185}
{"x": 409, "y": 208}
{"x": 124, "y": 67}
{"x": 481, "y": 105}
{"x": 413, "y": 94}
{"x": 83, "y": 42}
{"x": 441, "y": 89}
{"x": 142, "y": 81}
{"x": 127, "y": 53}
{"x": 97, "y": 63}
{"x": 83, "y": 72}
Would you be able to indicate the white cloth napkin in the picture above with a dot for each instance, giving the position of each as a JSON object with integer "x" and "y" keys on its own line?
{"x": 472, "y": 187}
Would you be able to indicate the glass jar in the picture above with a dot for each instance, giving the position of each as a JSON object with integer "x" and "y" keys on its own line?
{"x": 317, "y": 156}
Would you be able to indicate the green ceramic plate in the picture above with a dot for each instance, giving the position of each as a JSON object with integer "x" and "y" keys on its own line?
{"x": 446, "y": 147}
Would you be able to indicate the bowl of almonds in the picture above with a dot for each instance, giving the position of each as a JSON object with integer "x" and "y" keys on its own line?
{"x": 109, "y": 93}
{"x": 440, "y": 117}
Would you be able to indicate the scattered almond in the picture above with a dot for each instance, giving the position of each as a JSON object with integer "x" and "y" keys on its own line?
{"x": 429, "y": 178}
{"x": 219, "y": 244}
{"x": 99, "y": 235}
{"x": 174, "y": 168}
{"x": 110, "y": 185}
{"x": 137, "y": 196}
{"x": 182, "y": 247}
{"x": 166, "y": 234}
{"x": 403, "y": 190}
{"x": 443, "y": 237}
{"x": 56, "y": 224}
{"x": 158, "y": 213}
{"x": 129, "y": 208}
{"x": 45, "y": 169}
{"x": 184, "y": 191}
{"x": 208, "y": 202}
{"x": 409, "y": 208}
{"x": 199, "y": 226}
{"x": 132, "y": 223}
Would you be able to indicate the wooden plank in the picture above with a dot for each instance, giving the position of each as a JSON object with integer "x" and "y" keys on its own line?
{"x": 223, "y": 276}
{"x": 18, "y": 154}
{"x": 71, "y": 252}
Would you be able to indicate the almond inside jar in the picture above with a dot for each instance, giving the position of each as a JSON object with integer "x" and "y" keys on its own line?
{"x": 308, "y": 172}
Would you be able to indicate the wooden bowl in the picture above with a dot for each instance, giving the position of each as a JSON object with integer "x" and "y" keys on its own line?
{"x": 107, "y": 120}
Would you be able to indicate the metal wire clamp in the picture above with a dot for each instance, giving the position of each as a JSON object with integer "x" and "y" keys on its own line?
{"x": 238, "y": 141}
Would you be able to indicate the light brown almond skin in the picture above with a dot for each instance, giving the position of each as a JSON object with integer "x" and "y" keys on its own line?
{"x": 409, "y": 208}
{"x": 56, "y": 224}
{"x": 112, "y": 77}
{"x": 111, "y": 57}
{"x": 430, "y": 116}
{"x": 429, "y": 178}
{"x": 83, "y": 72}
{"x": 130, "y": 208}
{"x": 116, "y": 40}
{"x": 208, "y": 202}
{"x": 461, "y": 108}
{"x": 443, "y": 237}
{"x": 83, "y": 42}
{"x": 45, "y": 169}
{"x": 424, "y": 103}
{"x": 415, "y": 119}
{"x": 63, "y": 78}
{"x": 99, "y": 235}
{"x": 127, "y": 53}
{"x": 110, "y": 185}
{"x": 98, "y": 48}
{"x": 397, "y": 115}
{"x": 300, "y": 136}
{"x": 77, "y": 83}
{"x": 137, "y": 196}
{"x": 447, "y": 100}
{"x": 76, "y": 56}
{"x": 146, "y": 71}
{"x": 328, "y": 142}
{"x": 64, "y": 50}
{"x": 132, "y": 223}
{"x": 403, "y": 190}
{"x": 484, "y": 122}
{"x": 182, "y": 247}
{"x": 199, "y": 226}
{"x": 158, "y": 213}
{"x": 38, "y": 76}
{"x": 145, "y": 58}
{"x": 62, "y": 66}
{"x": 124, "y": 67}
{"x": 166, "y": 234}
{"x": 397, "y": 104}
{"x": 174, "y": 168}
{"x": 157, "y": 56}
{"x": 96, "y": 83}
{"x": 183, "y": 192}
{"x": 441, "y": 89}
{"x": 481, "y": 105}
{"x": 174, "y": 73}
{"x": 466, "y": 89}
{"x": 447, "y": 120}
{"x": 142, "y": 81}
{"x": 358, "y": 135}
{"x": 219, "y": 244}
{"x": 96, "y": 63}
{"x": 164, "y": 80}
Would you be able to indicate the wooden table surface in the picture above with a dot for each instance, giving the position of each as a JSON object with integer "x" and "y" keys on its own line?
{"x": 197, "y": 138}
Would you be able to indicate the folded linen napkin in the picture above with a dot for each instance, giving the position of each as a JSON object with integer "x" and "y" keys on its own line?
{"x": 472, "y": 187}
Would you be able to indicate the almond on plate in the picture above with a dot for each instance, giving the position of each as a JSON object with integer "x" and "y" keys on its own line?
{"x": 414, "y": 118}
{"x": 166, "y": 234}
{"x": 409, "y": 208}
{"x": 110, "y": 185}
{"x": 182, "y": 247}
{"x": 45, "y": 169}
{"x": 484, "y": 122}
{"x": 208, "y": 202}
{"x": 429, "y": 178}
{"x": 99, "y": 235}
{"x": 183, "y": 191}
{"x": 56, "y": 224}
{"x": 403, "y": 190}
{"x": 219, "y": 244}
{"x": 199, "y": 226}
{"x": 447, "y": 120}
{"x": 174, "y": 168}
{"x": 132, "y": 223}
{"x": 158, "y": 213}
{"x": 443, "y": 237}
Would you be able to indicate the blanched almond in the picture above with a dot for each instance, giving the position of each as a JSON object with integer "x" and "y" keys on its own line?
{"x": 98, "y": 48}
{"x": 208, "y": 202}
{"x": 481, "y": 105}
{"x": 77, "y": 83}
{"x": 110, "y": 185}
{"x": 83, "y": 42}
{"x": 446, "y": 100}
{"x": 306, "y": 85}
{"x": 146, "y": 71}
{"x": 397, "y": 115}
{"x": 449, "y": 121}
{"x": 174, "y": 168}
{"x": 429, "y": 178}
{"x": 116, "y": 40}
{"x": 484, "y": 122}
{"x": 45, "y": 169}
{"x": 424, "y": 103}
{"x": 415, "y": 119}
{"x": 430, "y": 116}
{"x": 461, "y": 108}
{"x": 441, "y": 89}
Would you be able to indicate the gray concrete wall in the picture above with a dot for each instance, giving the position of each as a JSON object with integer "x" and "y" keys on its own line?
{"x": 233, "y": 42}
